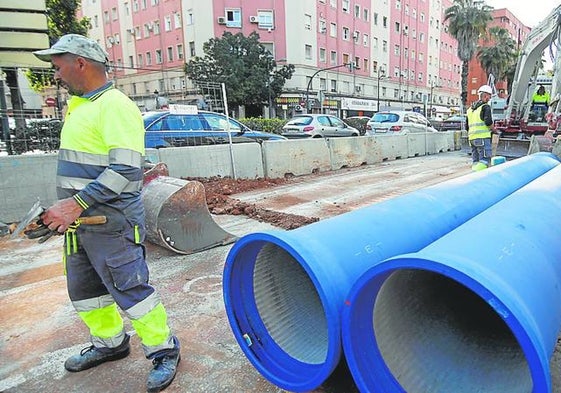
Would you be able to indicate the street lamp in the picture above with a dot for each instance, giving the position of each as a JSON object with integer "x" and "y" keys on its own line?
{"x": 432, "y": 86}
{"x": 380, "y": 76}
{"x": 312, "y": 77}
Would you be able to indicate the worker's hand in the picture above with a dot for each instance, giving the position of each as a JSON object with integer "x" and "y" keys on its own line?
{"x": 61, "y": 215}
{"x": 38, "y": 229}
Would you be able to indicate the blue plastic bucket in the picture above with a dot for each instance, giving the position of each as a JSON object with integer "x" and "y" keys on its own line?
{"x": 478, "y": 310}
{"x": 284, "y": 290}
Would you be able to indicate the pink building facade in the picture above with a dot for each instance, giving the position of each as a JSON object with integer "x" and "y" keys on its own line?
{"x": 351, "y": 56}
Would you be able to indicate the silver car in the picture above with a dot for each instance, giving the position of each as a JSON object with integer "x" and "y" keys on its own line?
{"x": 317, "y": 126}
{"x": 398, "y": 123}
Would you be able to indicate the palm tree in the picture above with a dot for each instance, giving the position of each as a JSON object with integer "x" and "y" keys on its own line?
{"x": 498, "y": 54}
{"x": 467, "y": 21}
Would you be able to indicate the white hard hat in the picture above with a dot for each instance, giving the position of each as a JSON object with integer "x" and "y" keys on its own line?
{"x": 485, "y": 89}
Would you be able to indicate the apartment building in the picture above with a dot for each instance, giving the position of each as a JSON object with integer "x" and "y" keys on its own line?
{"x": 400, "y": 51}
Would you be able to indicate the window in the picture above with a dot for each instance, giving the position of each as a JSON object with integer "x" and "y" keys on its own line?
{"x": 365, "y": 40}
{"x": 131, "y": 61}
{"x": 333, "y": 30}
{"x": 96, "y": 21}
{"x": 170, "y": 53}
{"x": 177, "y": 20}
{"x": 346, "y": 33}
{"x": 192, "y": 48}
{"x": 375, "y": 42}
{"x": 396, "y": 72}
{"x": 135, "y": 6}
{"x": 190, "y": 18}
{"x": 147, "y": 29}
{"x": 375, "y": 19}
{"x": 322, "y": 55}
{"x": 180, "y": 51}
{"x": 114, "y": 13}
{"x": 308, "y": 22}
{"x": 127, "y": 10}
{"x": 167, "y": 23}
{"x": 143, "y": 4}
{"x": 346, "y": 58}
{"x": 333, "y": 3}
{"x": 365, "y": 64}
{"x": 322, "y": 26}
{"x": 233, "y": 17}
{"x": 346, "y": 5}
{"x": 106, "y": 17}
{"x": 159, "y": 59}
{"x": 140, "y": 60}
{"x": 308, "y": 52}
{"x": 365, "y": 14}
{"x": 384, "y": 46}
{"x": 357, "y": 11}
{"x": 397, "y": 27}
{"x": 266, "y": 19}
{"x": 148, "y": 58}
{"x": 385, "y": 22}
{"x": 333, "y": 58}
{"x": 396, "y": 50}
{"x": 398, "y": 4}
{"x": 156, "y": 27}
{"x": 333, "y": 84}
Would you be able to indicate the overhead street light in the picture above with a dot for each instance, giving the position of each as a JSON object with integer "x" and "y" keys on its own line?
{"x": 317, "y": 72}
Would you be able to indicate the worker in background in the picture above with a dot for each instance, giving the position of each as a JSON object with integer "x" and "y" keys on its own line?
{"x": 479, "y": 126}
{"x": 99, "y": 172}
{"x": 541, "y": 97}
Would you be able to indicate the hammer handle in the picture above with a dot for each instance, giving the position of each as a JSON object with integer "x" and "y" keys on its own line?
{"x": 92, "y": 220}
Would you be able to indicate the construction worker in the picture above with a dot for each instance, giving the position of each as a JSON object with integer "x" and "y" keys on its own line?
{"x": 541, "y": 97}
{"x": 100, "y": 172}
{"x": 479, "y": 126}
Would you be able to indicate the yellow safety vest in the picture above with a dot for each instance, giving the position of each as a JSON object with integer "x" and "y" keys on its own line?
{"x": 541, "y": 99}
{"x": 477, "y": 127}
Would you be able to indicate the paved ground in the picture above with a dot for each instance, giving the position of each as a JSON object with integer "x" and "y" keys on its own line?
{"x": 39, "y": 330}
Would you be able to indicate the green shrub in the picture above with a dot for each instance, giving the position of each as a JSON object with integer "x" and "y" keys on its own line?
{"x": 273, "y": 125}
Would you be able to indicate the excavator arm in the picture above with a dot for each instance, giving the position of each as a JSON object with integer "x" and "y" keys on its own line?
{"x": 546, "y": 34}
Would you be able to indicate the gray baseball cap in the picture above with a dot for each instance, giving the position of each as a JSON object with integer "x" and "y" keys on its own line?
{"x": 76, "y": 44}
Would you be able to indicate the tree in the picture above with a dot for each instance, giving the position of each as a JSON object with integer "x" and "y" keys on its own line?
{"x": 244, "y": 65}
{"x": 467, "y": 21}
{"x": 61, "y": 20}
{"x": 498, "y": 54}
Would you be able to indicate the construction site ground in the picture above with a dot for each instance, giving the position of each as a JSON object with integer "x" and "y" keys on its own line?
{"x": 39, "y": 328}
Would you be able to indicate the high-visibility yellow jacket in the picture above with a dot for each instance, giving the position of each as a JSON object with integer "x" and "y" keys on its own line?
{"x": 101, "y": 153}
{"x": 476, "y": 126}
{"x": 541, "y": 99}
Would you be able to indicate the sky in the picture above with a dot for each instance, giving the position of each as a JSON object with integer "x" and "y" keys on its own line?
{"x": 528, "y": 12}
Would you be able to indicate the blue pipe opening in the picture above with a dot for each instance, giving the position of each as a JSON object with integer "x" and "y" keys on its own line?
{"x": 477, "y": 310}
{"x": 284, "y": 290}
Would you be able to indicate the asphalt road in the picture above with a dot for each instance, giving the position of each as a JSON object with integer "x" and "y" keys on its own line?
{"x": 39, "y": 329}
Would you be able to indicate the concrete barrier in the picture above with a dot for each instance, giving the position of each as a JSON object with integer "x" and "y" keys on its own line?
{"x": 25, "y": 178}
{"x": 296, "y": 157}
{"x": 214, "y": 160}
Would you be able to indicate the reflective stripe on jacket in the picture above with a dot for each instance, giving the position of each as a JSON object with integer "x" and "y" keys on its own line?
{"x": 477, "y": 127}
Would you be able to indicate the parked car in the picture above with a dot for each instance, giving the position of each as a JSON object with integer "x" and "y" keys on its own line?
{"x": 358, "y": 122}
{"x": 167, "y": 129}
{"x": 453, "y": 123}
{"x": 398, "y": 123}
{"x": 317, "y": 126}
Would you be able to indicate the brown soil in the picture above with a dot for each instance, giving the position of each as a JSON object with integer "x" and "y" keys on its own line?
{"x": 219, "y": 191}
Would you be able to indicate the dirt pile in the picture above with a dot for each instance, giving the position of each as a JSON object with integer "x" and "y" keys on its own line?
{"x": 219, "y": 196}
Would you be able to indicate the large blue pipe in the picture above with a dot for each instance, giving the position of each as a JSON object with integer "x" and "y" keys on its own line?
{"x": 284, "y": 290}
{"x": 478, "y": 310}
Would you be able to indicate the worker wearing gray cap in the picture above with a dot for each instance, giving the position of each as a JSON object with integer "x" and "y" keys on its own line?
{"x": 100, "y": 172}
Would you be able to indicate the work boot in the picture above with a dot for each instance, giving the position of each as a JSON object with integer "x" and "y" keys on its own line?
{"x": 165, "y": 366}
{"x": 93, "y": 356}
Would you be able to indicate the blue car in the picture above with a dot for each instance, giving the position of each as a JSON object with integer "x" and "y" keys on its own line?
{"x": 167, "y": 129}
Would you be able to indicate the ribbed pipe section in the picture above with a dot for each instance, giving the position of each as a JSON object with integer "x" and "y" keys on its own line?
{"x": 478, "y": 310}
{"x": 284, "y": 290}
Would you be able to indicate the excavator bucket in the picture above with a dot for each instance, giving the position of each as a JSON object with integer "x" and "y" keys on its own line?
{"x": 512, "y": 148}
{"x": 177, "y": 216}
